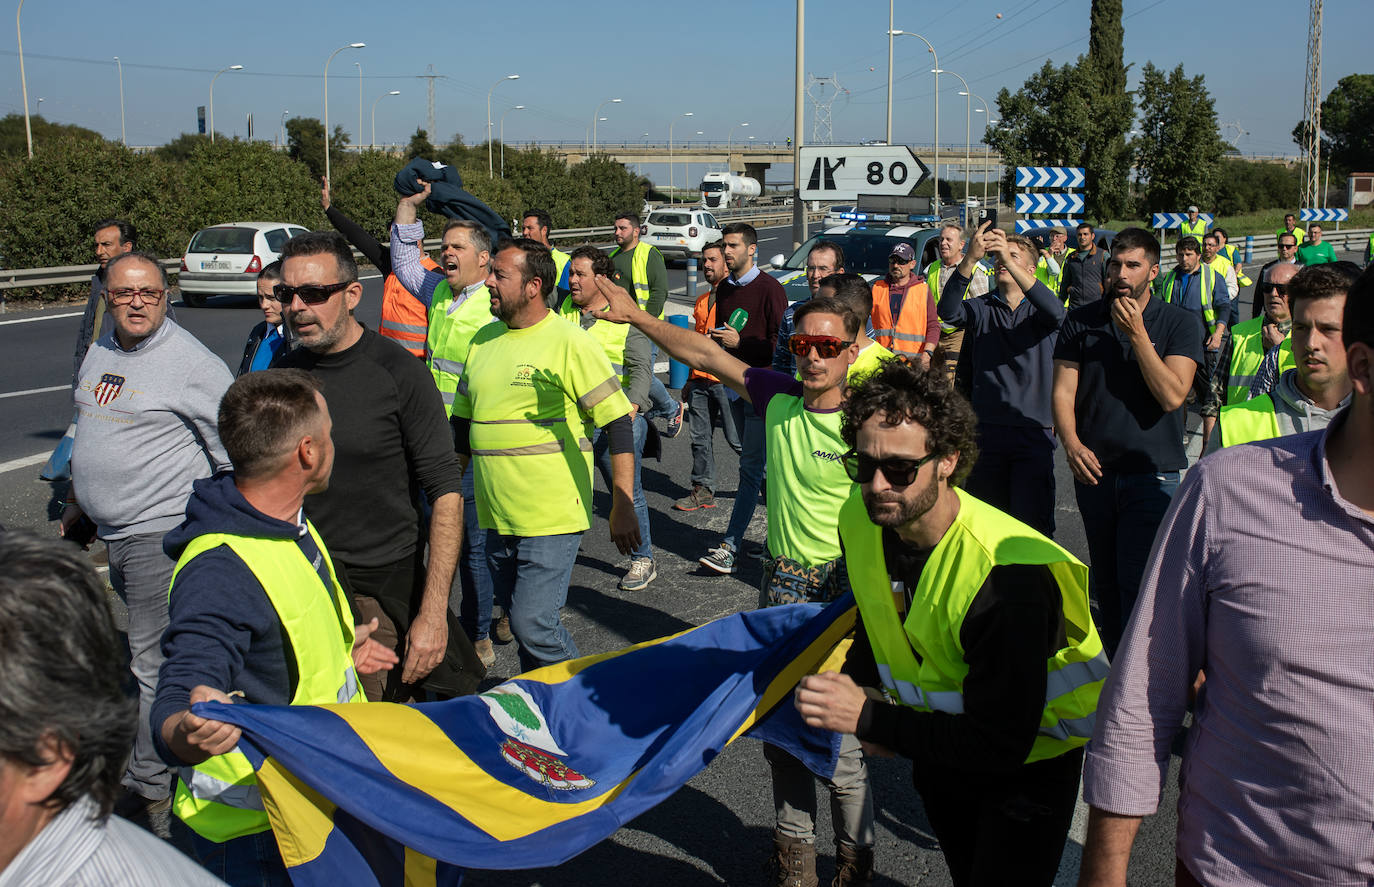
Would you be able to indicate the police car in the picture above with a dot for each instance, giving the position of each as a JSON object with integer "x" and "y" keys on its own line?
{"x": 867, "y": 238}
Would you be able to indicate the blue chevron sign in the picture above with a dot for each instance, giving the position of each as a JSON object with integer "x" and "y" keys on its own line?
{"x": 1030, "y": 204}
{"x": 1176, "y": 220}
{"x": 1323, "y": 215}
{"x": 1024, "y": 225}
{"x": 1049, "y": 177}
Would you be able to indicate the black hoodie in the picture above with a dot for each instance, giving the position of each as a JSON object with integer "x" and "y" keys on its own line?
{"x": 223, "y": 631}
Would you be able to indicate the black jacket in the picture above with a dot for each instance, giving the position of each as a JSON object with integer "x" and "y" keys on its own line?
{"x": 447, "y": 196}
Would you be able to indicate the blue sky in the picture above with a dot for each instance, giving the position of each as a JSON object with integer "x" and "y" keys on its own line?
{"x": 726, "y": 62}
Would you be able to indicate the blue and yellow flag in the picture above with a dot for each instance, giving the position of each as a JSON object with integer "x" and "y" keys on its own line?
{"x": 540, "y": 768}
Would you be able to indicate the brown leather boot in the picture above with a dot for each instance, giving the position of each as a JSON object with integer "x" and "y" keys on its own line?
{"x": 853, "y": 866}
{"x": 793, "y": 863}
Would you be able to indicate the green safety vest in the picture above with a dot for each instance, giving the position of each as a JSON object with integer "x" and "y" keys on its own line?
{"x": 1229, "y": 252}
{"x": 1042, "y": 274}
{"x": 1209, "y": 314}
{"x": 1193, "y": 229}
{"x": 1248, "y": 421}
{"x": 560, "y": 261}
{"x": 610, "y": 336}
{"x": 920, "y": 658}
{"x": 932, "y": 273}
{"x": 1298, "y": 233}
{"x": 450, "y": 336}
{"x": 1247, "y": 353}
{"x": 219, "y": 798}
{"x": 639, "y": 272}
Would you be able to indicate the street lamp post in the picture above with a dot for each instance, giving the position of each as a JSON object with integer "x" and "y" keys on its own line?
{"x": 359, "y": 66}
{"x": 890, "y": 34}
{"x": 489, "y": 92}
{"x": 326, "y": 99}
{"x": 212, "y": 97}
{"x": 728, "y": 140}
{"x": 122, "y": 140}
{"x": 673, "y": 197}
{"x": 503, "y": 137}
{"x": 374, "y": 115}
{"x": 595, "y": 118}
{"x": 23, "y": 79}
{"x": 968, "y": 128}
{"x": 936, "y": 58}
{"x": 38, "y": 109}
{"x": 988, "y": 113}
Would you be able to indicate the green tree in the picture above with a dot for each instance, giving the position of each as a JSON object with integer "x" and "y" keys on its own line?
{"x": 181, "y": 147}
{"x": 1106, "y": 160}
{"x": 543, "y": 181}
{"x": 13, "y": 142}
{"x": 305, "y": 142}
{"x": 456, "y": 153}
{"x": 1045, "y": 123}
{"x": 238, "y": 181}
{"x": 611, "y": 188}
{"x": 1347, "y": 124}
{"x": 366, "y": 193}
{"x": 1179, "y": 150}
{"x": 421, "y": 146}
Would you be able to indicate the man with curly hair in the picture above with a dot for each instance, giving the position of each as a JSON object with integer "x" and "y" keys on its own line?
{"x": 975, "y": 654}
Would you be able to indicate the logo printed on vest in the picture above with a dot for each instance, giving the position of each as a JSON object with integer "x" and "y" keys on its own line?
{"x": 108, "y": 389}
{"x": 524, "y": 376}
{"x": 530, "y": 747}
{"x": 829, "y": 457}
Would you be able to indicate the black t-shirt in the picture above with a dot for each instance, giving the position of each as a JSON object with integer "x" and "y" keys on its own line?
{"x": 1118, "y": 418}
{"x": 391, "y": 440}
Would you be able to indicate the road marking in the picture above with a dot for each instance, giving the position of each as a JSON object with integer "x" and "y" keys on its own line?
{"x": 25, "y": 462}
{"x": 35, "y": 391}
{"x": 43, "y": 317}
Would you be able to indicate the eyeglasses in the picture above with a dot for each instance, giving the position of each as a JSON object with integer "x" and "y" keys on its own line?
{"x": 1288, "y": 246}
{"x": 899, "y": 472}
{"x": 826, "y": 346}
{"x": 124, "y": 297}
{"x": 1280, "y": 288}
{"x": 310, "y": 294}
{"x": 898, "y": 260}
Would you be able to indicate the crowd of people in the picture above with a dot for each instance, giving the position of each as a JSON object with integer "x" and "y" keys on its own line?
{"x": 360, "y": 515}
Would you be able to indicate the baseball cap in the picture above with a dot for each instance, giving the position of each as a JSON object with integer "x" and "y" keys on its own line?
{"x": 904, "y": 252}
{"x": 1192, "y": 209}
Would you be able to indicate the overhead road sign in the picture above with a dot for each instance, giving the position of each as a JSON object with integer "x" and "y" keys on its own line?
{"x": 1323, "y": 215}
{"x": 1024, "y": 225}
{"x": 1049, "y": 177}
{"x": 1030, "y": 204}
{"x": 843, "y": 172}
{"x": 1176, "y": 220}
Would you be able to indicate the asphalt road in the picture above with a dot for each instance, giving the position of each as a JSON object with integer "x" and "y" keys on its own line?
{"x": 715, "y": 830}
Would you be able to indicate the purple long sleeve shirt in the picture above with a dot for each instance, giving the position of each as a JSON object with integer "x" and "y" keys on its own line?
{"x": 1263, "y": 575}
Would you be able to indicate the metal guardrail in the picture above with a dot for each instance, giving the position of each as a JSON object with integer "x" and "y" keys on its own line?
{"x": 22, "y": 278}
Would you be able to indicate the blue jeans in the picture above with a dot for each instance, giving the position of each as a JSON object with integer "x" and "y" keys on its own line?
{"x": 532, "y": 572}
{"x": 249, "y": 861}
{"x": 700, "y": 395}
{"x": 752, "y": 458}
{"x": 474, "y": 612}
{"x": 1121, "y": 515}
{"x": 141, "y": 574}
{"x": 601, "y": 449}
{"x": 661, "y": 403}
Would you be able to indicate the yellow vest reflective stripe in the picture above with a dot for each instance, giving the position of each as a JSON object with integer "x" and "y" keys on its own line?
{"x": 610, "y": 336}
{"x": 1193, "y": 229}
{"x": 450, "y": 335}
{"x": 639, "y": 272}
{"x": 1247, "y": 353}
{"x": 1209, "y": 314}
{"x": 1249, "y": 421}
{"x": 980, "y": 538}
{"x": 219, "y": 798}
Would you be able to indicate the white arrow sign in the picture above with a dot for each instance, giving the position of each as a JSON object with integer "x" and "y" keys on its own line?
{"x": 843, "y": 172}
{"x": 1031, "y": 204}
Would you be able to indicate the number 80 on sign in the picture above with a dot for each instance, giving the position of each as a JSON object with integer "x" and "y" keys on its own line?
{"x": 843, "y": 172}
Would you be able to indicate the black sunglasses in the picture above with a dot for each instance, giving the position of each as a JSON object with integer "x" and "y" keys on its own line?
{"x": 899, "y": 472}
{"x": 1280, "y": 288}
{"x": 311, "y": 294}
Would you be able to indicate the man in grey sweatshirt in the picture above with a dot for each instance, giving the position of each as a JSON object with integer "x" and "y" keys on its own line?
{"x": 147, "y": 397}
{"x": 1309, "y": 396}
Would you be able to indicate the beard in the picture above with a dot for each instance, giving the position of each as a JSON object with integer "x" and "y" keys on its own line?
{"x": 893, "y": 510}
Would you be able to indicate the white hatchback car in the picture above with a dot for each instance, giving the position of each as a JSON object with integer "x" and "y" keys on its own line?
{"x": 225, "y": 260}
{"x": 680, "y": 233}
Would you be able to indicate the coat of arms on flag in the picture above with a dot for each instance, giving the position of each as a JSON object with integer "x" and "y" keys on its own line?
{"x": 108, "y": 389}
{"x": 530, "y": 747}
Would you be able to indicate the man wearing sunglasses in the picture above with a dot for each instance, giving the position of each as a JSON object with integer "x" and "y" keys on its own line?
{"x": 807, "y": 486}
{"x": 147, "y": 398}
{"x": 975, "y": 639}
{"x": 1007, "y": 371}
{"x": 1288, "y": 255}
{"x": 392, "y": 440}
{"x": 1253, "y": 340}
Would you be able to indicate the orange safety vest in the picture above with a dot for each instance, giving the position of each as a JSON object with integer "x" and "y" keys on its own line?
{"x": 908, "y": 335}
{"x": 404, "y": 317}
{"x": 704, "y": 314}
